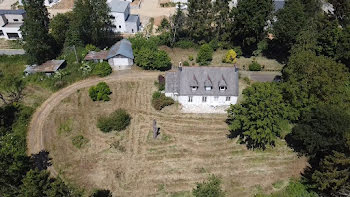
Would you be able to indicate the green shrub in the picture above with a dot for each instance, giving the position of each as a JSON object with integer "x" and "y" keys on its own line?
{"x": 185, "y": 44}
{"x": 238, "y": 51}
{"x": 210, "y": 188}
{"x": 79, "y": 141}
{"x": 91, "y": 47}
{"x": 102, "y": 69}
{"x": 247, "y": 80}
{"x": 214, "y": 44}
{"x": 190, "y": 58}
{"x": 255, "y": 66}
{"x": 116, "y": 121}
{"x": 205, "y": 55}
{"x": 159, "y": 100}
{"x": 186, "y": 63}
{"x": 150, "y": 59}
{"x": 101, "y": 193}
{"x": 100, "y": 92}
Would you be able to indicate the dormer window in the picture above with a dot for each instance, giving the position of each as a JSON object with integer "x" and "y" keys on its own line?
{"x": 194, "y": 84}
{"x": 222, "y": 88}
{"x": 222, "y": 84}
{"x": 208, "y": 88}
{"x": 208, "y": 84}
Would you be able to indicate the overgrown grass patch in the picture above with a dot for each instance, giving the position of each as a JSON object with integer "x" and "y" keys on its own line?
{"x": 79, "y": 141}
{"x": 66, "y": 127}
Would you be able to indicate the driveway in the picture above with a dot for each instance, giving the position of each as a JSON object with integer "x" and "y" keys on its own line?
{"x": 6, "y": 4}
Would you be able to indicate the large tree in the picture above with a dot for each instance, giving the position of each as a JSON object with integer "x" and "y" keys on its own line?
{"x": 250, "y": 19}
{"x": 38, "y": 44}
{"x": 311, "y": 79}
{"x": 342, "y": 11}
{"x": 59, "y": 26}
{"x": 200, "y": 20}
{"x": 91, "y": 23}
{"x": 343, "y": 49}
{"x": 290, "y": 21}
{"x": 257, "y": 120}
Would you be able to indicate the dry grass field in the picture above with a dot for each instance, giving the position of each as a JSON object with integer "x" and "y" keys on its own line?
{"x": 130, "y": 163}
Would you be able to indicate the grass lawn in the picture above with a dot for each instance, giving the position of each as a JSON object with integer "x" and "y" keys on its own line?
{"x": 129, "y": 163}
{"x": 180, "y": 55}
{"x": 10, "y": 44}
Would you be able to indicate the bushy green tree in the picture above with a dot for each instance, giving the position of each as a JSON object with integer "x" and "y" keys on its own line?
{"x": 290, "y": 21}
{"x": 38, "y": 44}
{"x": 343, "y": 48}
{"x": 322, "y": 131}
{"x": 210, "y": 188}
{"x": 153, "y": 59}
{"x": 101, "y": 193}
{"x": 250, "y": 21}
{"x": 59, "y": 26}
{"x": 342, "y": 11}
{"x": 102, "y": 69}
{"x": 257, "y": 120}
{"x": 100, "y": 92}
{"x": 117, "y": 121}
{"x": 312, "y": 79}
{"x": 205, "y": 55}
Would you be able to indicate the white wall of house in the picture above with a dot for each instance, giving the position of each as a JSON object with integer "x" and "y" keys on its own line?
{"x": 119, "y": 21}
{"x": 120, "y": 63}
{"x": 14, "y": 18}
{"x": 48, "y": 3}
{"x": 179, "y": 1}
{"x": 213, "y": 101}
{"x": 132, "y": 27}
{"x": 10, "y": 33}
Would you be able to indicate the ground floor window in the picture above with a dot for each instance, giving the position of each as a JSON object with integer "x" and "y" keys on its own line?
{"x": 204, "y": 99}
{"x": 190, "y": 99}
{"x": 13, "y": 35}
{"x": 120, "y": 26}
{"x": 1, "y": 33}
{"x": 228, "y": 98}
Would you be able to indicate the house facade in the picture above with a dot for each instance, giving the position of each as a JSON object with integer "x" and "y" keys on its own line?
{"x": 48, "y": 3}
{"x": 122, "y": 20}
{"x": 119, "y": 56}
{"x": 10, "y": 24}
{"x": 203, "y": 87}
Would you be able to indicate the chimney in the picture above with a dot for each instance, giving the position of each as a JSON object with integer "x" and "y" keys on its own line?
{"x": 180, "y": 66}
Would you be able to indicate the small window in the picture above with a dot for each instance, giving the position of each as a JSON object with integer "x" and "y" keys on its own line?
{"x": 120, "y": 26}
{"x": 190, "y": 99}
{"x": 222, "y": 88}
{"x": 15, "y": 20}
{"x": 132, "y": 30}
{"x": 228, "y": 98}
{"x": 204, "y": 99}
{"x": 1, "y": 33}
{"x": 216, "y": 98}
{"x": 208, "y": 88}
{"x": 112, "y": 17}
{"x": 194, "y": 88}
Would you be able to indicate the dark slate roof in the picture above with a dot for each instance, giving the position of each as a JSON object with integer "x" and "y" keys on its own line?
{"x": 132, "y": 18}
{"x": 180, "y": 81}
{"x": 118, "y": 6}
{"x": 123, "y": 48}
{"x": 279, "y": 4}
{"x": 16, "y": 12}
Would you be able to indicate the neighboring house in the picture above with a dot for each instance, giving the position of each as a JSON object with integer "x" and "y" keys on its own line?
{"x": 119, "y": 56}
{"x": 203, "y": 87}
{"x": 122, "y": 20}
{"x": 50, "y": 67}
{"x": 10, "y": 24}
{"x": 48, "y": 3}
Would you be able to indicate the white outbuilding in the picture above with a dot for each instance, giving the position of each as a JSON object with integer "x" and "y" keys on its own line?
{"x": 120, "y": 56}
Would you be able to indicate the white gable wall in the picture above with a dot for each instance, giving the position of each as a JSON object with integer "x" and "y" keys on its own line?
{"x": 119, "y": 21}
{"x": 120, "y": 63}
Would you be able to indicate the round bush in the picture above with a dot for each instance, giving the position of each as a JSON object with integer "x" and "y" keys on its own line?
{"x": 100, "y": 92}
{"x": 117, "y": 121}
{"x": 186, "y": 63}
{"x": 255, "y": 66}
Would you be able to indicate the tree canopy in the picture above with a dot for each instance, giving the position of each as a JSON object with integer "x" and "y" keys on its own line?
{"x": 39, "y": 45}
{"x": 257, "y": 120}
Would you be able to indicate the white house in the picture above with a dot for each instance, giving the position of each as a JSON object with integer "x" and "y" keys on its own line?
{"x": 10, "y": 24}
{"x": 203, "y": 87}
{"x": 122, "y": 20}
{"x": 119, "y": 56}
{"x": 48, "y": 3}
